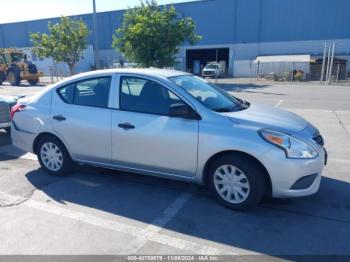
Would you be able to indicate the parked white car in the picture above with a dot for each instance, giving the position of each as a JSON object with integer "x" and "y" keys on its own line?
{"x": 213, "y": 70}
{"x": 175, "y": 125}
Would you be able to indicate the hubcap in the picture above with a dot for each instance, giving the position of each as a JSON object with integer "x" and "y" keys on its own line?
{"x": 231, "y": 184}
{"x": 51, "y": 156}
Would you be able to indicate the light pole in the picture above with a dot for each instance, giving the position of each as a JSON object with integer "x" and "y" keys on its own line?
{"x": 96, "y": 51}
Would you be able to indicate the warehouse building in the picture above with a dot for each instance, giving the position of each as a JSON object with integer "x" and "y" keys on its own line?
{"x": 233, "y": 31}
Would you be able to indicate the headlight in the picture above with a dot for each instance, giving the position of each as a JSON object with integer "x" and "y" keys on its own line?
{"x": 293, "y": 147}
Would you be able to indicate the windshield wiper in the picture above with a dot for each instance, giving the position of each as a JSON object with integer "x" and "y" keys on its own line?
{"x": 223, "y": 109}
{"x": 227, "y": 109}
{"x": 243, "y": 103}
{"x": 238, "y": 107}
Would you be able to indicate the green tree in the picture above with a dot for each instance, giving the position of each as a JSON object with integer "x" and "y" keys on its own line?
{"x": 151, "y": 35}
{"x": 65, "y": 42}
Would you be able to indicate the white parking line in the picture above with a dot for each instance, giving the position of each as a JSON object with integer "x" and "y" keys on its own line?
{"x": 29, "y": 156}
{"x": 345, "y": 161}
{"x": 151, "y": 233}
{"x": 86, "y": 183}
{"x": 157, "y": 225}
{"x": 279, "y": 103}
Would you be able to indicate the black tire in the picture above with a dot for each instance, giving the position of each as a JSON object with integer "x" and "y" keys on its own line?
{"x": 253, "y": 173}
{"x": 33, "y": 82}
{"x": 13, "y": 78}
{"x": 67, "y": 165}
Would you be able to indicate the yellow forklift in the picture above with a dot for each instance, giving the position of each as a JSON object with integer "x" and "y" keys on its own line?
{"x": 14, "y": 67}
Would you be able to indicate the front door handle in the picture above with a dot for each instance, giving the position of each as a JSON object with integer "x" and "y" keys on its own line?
{"x": 126, "y": 126}
{"x": 59, "y": 118}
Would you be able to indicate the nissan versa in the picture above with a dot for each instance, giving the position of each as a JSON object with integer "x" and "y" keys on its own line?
{"x": 175, "y": 125}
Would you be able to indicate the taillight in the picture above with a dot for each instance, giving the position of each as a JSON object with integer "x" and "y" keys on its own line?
{"x": 16, "y": 108}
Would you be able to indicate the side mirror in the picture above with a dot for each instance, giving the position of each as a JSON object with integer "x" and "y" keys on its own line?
{"x": 183, "y": 111}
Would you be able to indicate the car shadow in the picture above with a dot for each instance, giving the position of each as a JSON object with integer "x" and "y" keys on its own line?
{"x": 248, "y": 88}
{"x": 314, "y": 225}
{"x": 6, "y": 147}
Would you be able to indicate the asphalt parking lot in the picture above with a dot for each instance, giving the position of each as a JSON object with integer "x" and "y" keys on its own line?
{"x": 97, "y": 211}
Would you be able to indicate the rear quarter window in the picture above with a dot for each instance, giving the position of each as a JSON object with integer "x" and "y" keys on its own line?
{"x": 67, "y": 93}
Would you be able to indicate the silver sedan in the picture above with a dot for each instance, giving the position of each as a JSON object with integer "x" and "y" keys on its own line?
{"x": 175, "y": 125}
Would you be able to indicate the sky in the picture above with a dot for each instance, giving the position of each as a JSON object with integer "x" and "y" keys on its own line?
{"x": 24, "y": 10}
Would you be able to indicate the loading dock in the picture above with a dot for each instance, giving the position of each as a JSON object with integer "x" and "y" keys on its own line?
{"x": 196, "y": 59}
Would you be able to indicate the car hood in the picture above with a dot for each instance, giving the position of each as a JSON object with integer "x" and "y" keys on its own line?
{"x": 262, "y": 116}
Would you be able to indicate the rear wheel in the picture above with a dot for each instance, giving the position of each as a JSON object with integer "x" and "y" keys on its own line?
{"x": 53, "y": 156}
{"x": 13, "y": 78}
{"x": 33, "y": 82}
{"x": 236, "y": 182}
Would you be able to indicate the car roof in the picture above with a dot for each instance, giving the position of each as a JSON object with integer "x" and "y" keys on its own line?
{"x": 156, "y": 72}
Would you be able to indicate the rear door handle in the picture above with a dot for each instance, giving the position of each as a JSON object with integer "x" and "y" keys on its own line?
{"x": 126, "y": 126}
{"x": 59, "y": 118}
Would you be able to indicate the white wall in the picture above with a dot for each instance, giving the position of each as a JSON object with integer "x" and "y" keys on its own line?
{"x": 244, "y": 68}
{"x": 48, "y": 66}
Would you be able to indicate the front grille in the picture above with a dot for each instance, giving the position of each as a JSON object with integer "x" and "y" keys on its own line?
{"x": 319, "y": 140}
{"x": 4, "y": 113}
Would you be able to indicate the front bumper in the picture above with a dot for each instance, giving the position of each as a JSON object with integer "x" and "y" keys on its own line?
{"x": 285, "y": 173}
{"x": 208, "y": 73}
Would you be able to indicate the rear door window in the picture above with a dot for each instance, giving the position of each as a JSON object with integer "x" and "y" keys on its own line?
{"x": 91, "y": 92}
{"x": 145, "y": 96}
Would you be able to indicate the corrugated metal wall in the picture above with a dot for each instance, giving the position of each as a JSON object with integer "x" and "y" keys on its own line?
{"x": 225, "y": 22}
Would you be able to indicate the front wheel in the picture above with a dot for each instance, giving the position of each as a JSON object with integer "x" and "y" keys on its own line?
{"x": 13, "y": 78}
{"x": 53, "y": 156}
{"x": 237, "y": 182}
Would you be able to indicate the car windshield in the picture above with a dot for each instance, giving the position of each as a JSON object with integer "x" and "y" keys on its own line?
{"x": 208, "y": 94}
{"x": 17, "y": 57}
{"x": 211, "y": 67}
